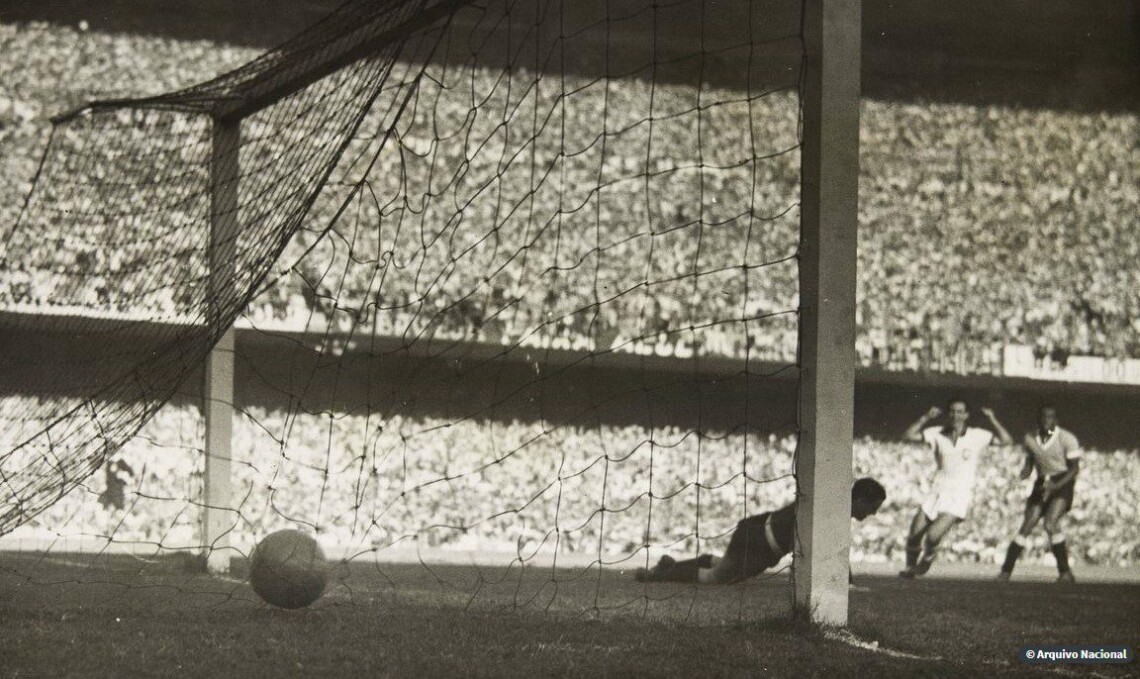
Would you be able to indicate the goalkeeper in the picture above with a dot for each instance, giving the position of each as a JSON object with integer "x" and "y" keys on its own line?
{"x": 757, "y": 544}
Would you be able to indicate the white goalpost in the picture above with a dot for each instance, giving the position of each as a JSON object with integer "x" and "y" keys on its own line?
{"x": 828, "y": 239}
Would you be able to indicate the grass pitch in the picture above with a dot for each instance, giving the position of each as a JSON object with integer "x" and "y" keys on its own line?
{"x": 118, "y": 616}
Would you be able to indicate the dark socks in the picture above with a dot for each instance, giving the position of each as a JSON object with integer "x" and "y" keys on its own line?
{"x": 913, "y": 549}
{"x": 1012, "y": 554}
{"x": 1061, "y": 554}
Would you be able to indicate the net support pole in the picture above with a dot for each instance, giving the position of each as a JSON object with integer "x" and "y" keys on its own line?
{"x": 219, "y": 516}
{"x": 828, "y": 238}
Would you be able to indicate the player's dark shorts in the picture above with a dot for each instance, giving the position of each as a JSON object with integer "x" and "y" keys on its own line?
{"x": 1065, "y": 492}
{"x": 748, "y": 552}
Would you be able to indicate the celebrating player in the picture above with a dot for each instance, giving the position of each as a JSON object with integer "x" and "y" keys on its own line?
{"x": 957, "y": 449}
{"x": 1056, "y": 454}
{"x": 757, "y": 544}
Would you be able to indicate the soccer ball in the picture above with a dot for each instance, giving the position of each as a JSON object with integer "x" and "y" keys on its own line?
{"x": 288, "y": 569}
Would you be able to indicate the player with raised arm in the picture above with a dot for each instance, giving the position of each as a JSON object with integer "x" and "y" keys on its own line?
{"x": 957, "y": 449}
{"x": 757, "y": 543}
{"x": 1056, "y": 454}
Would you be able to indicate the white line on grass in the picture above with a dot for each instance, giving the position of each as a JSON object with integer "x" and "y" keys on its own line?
{"x": 846, "y": 637}
{"x": 79, "y": 564}
{"x": 68, "y": 562}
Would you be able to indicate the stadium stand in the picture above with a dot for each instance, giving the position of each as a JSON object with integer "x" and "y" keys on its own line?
{"x": 948, "y": 215}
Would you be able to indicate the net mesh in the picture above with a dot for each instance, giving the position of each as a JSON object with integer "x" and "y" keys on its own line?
{"x": 512, "y": 279}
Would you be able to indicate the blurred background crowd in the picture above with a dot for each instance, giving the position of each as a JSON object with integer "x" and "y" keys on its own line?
{"x": 365, "y": 484}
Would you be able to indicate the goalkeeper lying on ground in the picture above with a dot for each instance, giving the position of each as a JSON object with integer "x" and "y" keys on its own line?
{"x": 757, "y": 544}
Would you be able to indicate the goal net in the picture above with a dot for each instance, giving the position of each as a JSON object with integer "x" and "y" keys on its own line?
{"x": 512, "y": 284}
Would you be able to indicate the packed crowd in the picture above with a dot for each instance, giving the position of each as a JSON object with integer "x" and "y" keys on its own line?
{"x": 650, "y": 219}
{"x": 366, "y": 483}
{"x": 983, "y": 226}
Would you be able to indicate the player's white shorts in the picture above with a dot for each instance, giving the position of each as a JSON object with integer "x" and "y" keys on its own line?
{"x": 952, "y": 501}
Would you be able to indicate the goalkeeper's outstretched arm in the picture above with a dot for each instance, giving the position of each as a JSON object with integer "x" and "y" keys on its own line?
{"x": 757, "y": 544}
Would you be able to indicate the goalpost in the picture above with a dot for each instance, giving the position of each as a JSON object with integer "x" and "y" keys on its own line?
{"x": 828, "y": 240}
{"x": 356, "y": 49}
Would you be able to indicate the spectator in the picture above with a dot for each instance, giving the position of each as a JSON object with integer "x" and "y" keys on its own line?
{"x": 118, "y": 474}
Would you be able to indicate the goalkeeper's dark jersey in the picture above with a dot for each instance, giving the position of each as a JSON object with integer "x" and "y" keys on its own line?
{"x": 759, "y": 542}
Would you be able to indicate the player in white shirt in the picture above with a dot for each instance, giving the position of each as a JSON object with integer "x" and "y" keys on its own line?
{"x": 957, "y": 449}
{"x": 1056, "y": 454}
